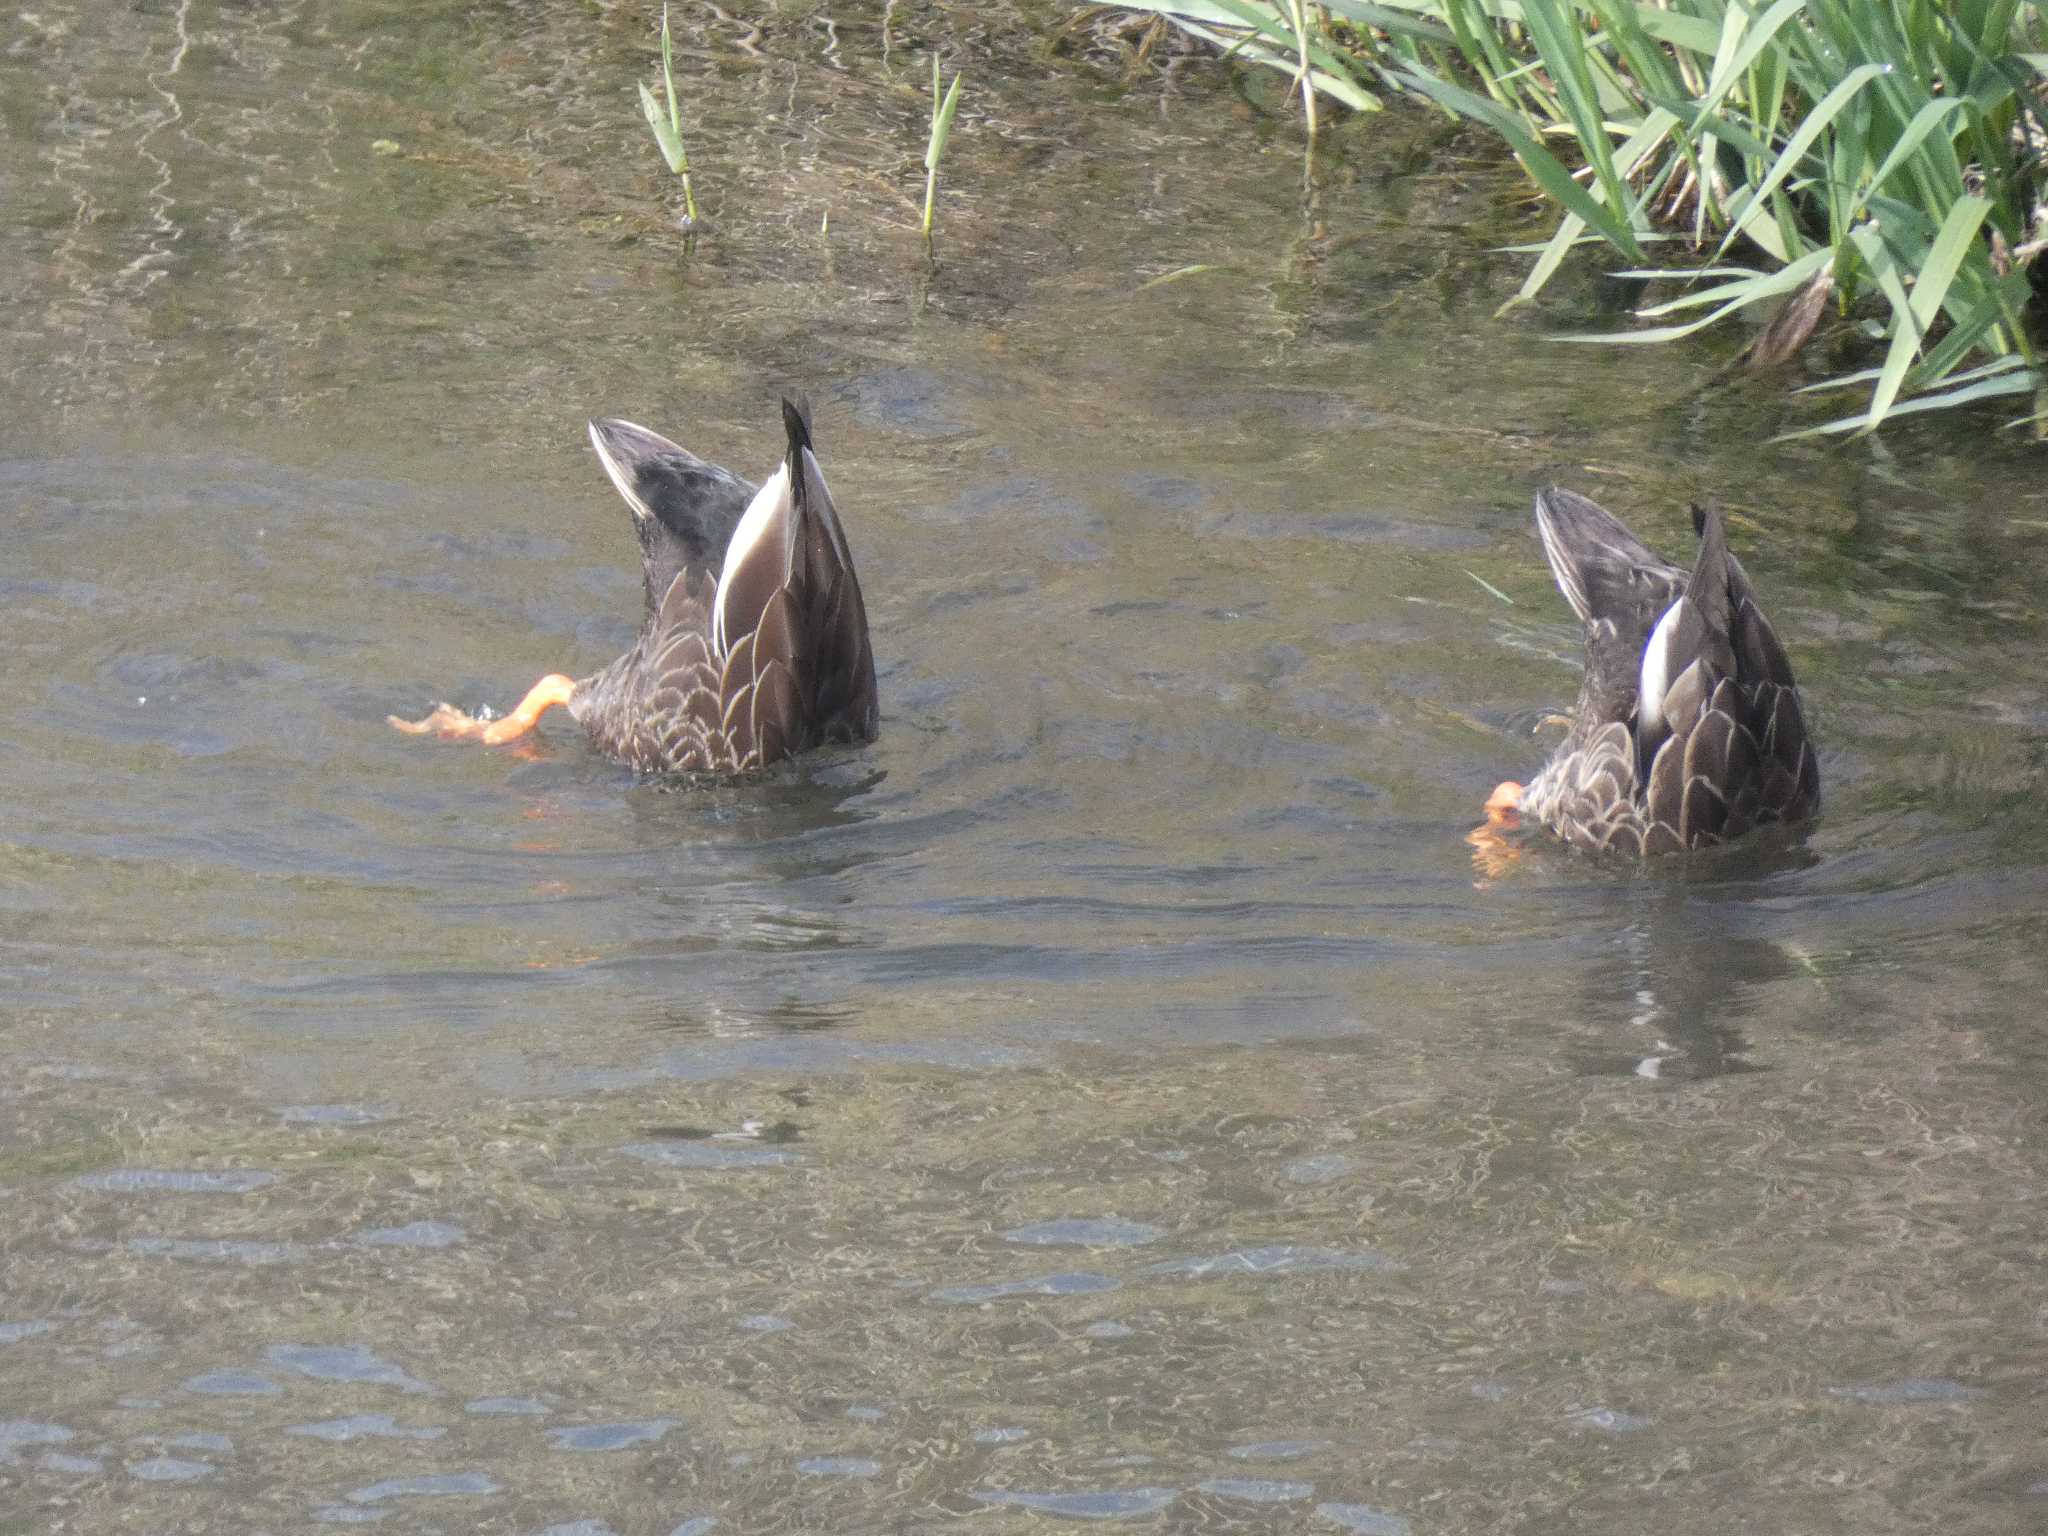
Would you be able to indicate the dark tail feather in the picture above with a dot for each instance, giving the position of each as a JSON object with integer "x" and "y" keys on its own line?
{"x": 1759, "y": 658}
{"x": 839, "y": 667}
{"x": 1595, "y": 560}
{"x": 1708, "y": 588}
{"x": 796, "y": 421}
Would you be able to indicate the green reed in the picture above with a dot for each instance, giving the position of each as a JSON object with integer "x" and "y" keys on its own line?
{"x": 1887, "y": 157}
{"x": 935, "y": 146}
{"x": 668, "y": 125}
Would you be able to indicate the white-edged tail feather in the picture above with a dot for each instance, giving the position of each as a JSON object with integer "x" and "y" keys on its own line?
{"x": 621, "y": 482}
{"x": 771, "y": 512}
{"x": 1564, "y": 566}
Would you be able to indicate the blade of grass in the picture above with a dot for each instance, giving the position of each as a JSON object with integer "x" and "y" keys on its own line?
{"x": 1388, "y": 19}
{"x": 668, "y": 126}
{"x": 1571, "y": 226}
{"x": 1742, "y": 208}
{"x": 1727, "y": 298}
{"x": 1906, "y": 331}
{"x": 1996, "y": 304}
{"x": 1304, "y": 80}
{"x": 935, "y": 146}
{"x": 1937, "y": 274}
{"x": 1563, "y": 50}
{"x": 1281, "y": 48}
{"x": 1490, "y": 587}
{"x": 1195, "y": 269}
{"x": 1924, "y": 123}
{"x": 2017, "y": 383}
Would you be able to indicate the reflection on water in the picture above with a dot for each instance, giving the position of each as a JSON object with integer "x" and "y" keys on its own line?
{"x": 1114, "y": 1095}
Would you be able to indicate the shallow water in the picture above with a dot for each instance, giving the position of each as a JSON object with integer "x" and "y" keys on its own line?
{"x": 1115, "y": 1095}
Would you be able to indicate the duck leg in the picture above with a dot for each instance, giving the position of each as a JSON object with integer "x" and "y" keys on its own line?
{"x": 451, "y": 724}
{"x": 1493, "y": 853}
{"x": 1503, "y": 806}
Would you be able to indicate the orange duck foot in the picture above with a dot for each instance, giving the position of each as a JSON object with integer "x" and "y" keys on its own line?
{"x": 451, "y": 724}
{"x": 1504, "y": 805}
{"x": 1494, "y": 854}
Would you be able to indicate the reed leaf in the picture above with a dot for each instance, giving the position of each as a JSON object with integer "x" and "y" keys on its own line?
{"x": 943, "y": 108}
{"x": 668, "y": 124}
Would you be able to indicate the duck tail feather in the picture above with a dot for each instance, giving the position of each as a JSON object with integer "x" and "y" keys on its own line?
{"x": 1709, "y": 586}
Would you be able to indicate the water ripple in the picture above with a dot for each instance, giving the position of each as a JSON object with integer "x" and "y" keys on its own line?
{"x": 216, "y": 1250}
{"x": 701, "y": 1154}
{"x": 1075, "y": 1284}
{"x": 1256, "y": 1490}
{"x": 434, "y": 1485}
{"x": 169, "y": 1469}
{"x": 1277, "y": 1450}
{"x": 523, "y": 1406}
{"x": 232, "y": 1384}
{"x": 417, "y": 1234}
{"x": 358, "y": 1426}
{"x": 840, "y": 1466}
{"x": 175, "y": 1181}
{"x": 1910, "y": 1389}
{"x": 1102, "y": 1505}
{"x": 1276, "y": 1259}
{"x": 1086, "y": 1232}
{"x": 16, "y": 1433}
{"x": 1364, "y": 1520}
{"x": 346, "y": 1362}
{"x": 610, "y": 1437}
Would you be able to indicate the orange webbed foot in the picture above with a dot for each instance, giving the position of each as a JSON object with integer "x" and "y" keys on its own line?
{"x": 447, "y": 722}
{"x": 1494, "y": 853}
{"x": 1503, "y": 807}
{"x": 451, "y": 724}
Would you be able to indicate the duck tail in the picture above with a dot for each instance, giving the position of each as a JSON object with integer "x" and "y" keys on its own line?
{"x": 1591, "y": 552}
{"x": 829, "y": 620}
{"x": 1711, "y": 576}
{"x": 796, "y": 421}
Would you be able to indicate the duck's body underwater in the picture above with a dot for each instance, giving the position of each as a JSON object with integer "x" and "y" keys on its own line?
{"x": 755, "y": 642}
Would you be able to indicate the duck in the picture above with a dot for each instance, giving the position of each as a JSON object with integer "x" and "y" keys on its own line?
{"x": 1688, "y": 731}
{"x": 754, "y": 646}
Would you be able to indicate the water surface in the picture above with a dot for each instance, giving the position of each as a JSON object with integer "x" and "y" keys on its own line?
{"x": 1115, "y": 1095}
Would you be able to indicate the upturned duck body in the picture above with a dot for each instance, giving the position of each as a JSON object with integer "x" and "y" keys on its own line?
{"x": 755, "y": 641}
{"x": 1688, "y": 729}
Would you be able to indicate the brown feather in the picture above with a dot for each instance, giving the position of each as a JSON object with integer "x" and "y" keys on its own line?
{"x": 777, "y": 713}
{"x": 1659, "y": 837}
{"x": 1664, "y": 795}
{"x": 779, "y": 638}
{"x": 1702, "y": 815}
{"x": 1709, "y": 749}
{"x": 1686, "y": 698}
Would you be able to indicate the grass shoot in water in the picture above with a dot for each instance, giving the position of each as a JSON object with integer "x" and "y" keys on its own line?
{"x": 668, "y": 126}
{"x": 935, "y": 149}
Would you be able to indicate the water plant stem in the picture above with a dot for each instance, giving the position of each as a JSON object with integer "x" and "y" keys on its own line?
{"x": 935, "y": 148}
{"x": 1305, "y": 80}
{"x": 668, "y": 125}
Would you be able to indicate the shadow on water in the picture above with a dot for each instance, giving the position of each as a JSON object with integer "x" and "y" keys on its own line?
{"x": 1113, "y": 1095}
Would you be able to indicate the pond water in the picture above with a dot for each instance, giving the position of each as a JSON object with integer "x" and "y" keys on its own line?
{"x": 1115, "y": 1095}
